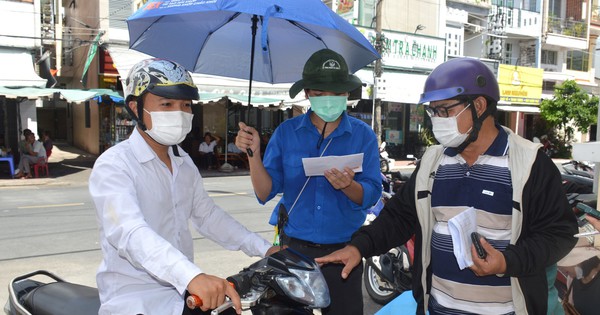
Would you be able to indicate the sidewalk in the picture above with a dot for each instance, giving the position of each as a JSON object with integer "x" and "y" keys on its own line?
{"x": 71, "y": 166}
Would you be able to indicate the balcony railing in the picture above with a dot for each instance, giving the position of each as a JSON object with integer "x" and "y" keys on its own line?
{"x": 567, "y": 27}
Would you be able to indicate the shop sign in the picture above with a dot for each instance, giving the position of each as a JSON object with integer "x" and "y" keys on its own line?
{"x": 406, "y": 50}
{"x": 520, "y": 85}
{"x": 345, "y": 9}
{"x": 393, "y": 136}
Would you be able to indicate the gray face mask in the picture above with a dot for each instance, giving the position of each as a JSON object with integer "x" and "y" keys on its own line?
{"x": 445, "y": 130}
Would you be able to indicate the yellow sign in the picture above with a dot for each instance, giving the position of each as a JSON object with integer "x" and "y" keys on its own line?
{"x": 520, "y": 85}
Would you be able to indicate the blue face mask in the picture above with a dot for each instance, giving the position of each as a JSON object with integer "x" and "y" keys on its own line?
{"x": 328, "y": 108}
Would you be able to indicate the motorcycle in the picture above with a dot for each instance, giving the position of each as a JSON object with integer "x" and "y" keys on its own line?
{"x": 577, "y": 177}
{"x": 579, "y": 168}
{"x": 388, "y": 275}
{"x": 384, "y": 159}
{"x": 286, "y": 282}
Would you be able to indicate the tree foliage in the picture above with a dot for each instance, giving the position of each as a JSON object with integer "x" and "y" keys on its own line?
{"x": 571, "y": 108}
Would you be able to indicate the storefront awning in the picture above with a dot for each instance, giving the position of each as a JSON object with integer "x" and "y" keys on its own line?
{"x": 17, "y": 69}
{"x": 519, "y": 108}
{"x": 243, "y": 99}
{"x": 125, "y": 58}
{"x": 71, "y": 95}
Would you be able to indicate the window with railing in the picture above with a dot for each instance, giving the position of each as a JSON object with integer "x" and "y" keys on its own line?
{"x": 577, "y": 60}
{"x": 568, "y": 27}
{"x": 548, "y": 85}
{"x": 507, "y": 54}
{"x": 504, "y": 3}
{"x": 549, "y": 57}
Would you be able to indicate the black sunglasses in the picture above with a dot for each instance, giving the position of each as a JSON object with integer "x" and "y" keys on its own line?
{"x": 442, "y": 111}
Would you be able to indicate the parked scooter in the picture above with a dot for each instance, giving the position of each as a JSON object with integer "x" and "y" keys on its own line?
{"x": 388, "y": 275}
{"x": 577, "y": 177}
{"x": 580, "y": 168}
{"x": 286, "y": 282}
{"x": 384, "y": 159}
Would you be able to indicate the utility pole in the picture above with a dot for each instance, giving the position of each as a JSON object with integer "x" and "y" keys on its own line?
{"x": 378, "y": 72}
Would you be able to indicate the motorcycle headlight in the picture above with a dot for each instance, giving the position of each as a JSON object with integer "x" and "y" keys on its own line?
{"x": 307, "y": 287}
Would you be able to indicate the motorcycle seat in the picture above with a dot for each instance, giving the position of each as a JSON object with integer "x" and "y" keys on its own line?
{"x": 63, "y": 298}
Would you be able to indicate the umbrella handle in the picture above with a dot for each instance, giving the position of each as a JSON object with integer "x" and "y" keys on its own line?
{"x": 249, "y": 151}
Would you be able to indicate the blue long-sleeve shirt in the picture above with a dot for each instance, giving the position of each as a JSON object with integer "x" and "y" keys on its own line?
{"x": 322, "y": 214}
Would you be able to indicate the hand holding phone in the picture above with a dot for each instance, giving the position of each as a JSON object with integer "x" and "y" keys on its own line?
{"x": 481, "y": 253}
{"x": 589, "y": 210}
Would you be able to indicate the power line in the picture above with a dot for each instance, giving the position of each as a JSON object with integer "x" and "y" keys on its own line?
{"x": 43, "y": 38}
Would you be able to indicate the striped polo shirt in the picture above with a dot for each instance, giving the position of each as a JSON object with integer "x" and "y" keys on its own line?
{"x": 485, "y": 186}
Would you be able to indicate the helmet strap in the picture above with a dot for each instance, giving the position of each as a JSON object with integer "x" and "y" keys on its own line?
{"x": 477, "y": 122}
{"x": 140, "y": 113}
{"x": 139, "y": 116}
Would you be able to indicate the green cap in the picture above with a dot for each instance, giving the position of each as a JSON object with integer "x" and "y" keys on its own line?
{"x": 326, "y": 70}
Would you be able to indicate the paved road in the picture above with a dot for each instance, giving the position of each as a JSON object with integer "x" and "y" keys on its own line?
{"x": 51, "y": 225}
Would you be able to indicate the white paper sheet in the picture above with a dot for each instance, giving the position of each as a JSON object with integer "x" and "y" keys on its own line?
{"x": 318, "y": 165}
{"x": 461, "y": 226}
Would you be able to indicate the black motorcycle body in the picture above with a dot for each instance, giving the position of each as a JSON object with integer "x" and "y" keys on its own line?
{"x": 388, "y": 275}
{"x": 286, "y": 282}
{"x": 29, "y": 295}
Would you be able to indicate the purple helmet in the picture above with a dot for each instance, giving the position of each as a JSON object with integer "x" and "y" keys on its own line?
{"x": 460, "y": 77}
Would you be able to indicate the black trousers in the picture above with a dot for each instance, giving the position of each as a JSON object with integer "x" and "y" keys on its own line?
{"x": 208, "y": 160}
{"x": 346, "y": 295}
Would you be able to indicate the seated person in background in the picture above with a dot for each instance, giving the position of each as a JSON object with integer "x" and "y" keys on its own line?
{"x": 29, "y": 156}
{"x": 40, "y": 150}
{"x": 207, "y": 151}
{"x": 48, "y": 144}
{"x": 24, "y": 143}
{"x": 232, "y": 148}
{"x": 237, "y": 157}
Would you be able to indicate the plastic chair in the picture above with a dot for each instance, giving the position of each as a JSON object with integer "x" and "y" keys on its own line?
{"x": 11, "y": 164}
{"x": 44, "y": 167}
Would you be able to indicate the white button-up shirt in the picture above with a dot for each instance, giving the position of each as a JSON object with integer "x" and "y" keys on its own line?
{"x": 143, "y": 212}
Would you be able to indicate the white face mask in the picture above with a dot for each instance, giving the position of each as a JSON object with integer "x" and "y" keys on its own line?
{"x": 445, "y": 130}
{"x": 169, "y": 128}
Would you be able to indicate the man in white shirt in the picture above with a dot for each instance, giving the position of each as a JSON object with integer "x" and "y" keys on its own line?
{"x": 207, "y": 151}
{"x": 30, "y": 155}
{"x": 39, "y": 148}
{"x": 146, "y": 190}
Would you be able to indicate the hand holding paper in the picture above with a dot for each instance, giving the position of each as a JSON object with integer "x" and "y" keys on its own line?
{"x": 318, "y": 165}
{"x": 461, "y": 226}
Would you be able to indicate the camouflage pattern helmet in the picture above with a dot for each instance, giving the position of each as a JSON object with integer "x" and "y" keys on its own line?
{"x": 160, "y": 77}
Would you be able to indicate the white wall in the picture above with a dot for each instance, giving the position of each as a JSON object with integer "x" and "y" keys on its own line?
{"x": 28, "y": 114}
{"x": 19, "y": 19}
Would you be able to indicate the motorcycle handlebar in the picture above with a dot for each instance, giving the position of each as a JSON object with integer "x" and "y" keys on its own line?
{"x": 241, "y": 282}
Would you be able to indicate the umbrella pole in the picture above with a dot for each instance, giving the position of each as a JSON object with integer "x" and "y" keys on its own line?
{"x": 226, "y": 167}
{"x": 254, "y": 28}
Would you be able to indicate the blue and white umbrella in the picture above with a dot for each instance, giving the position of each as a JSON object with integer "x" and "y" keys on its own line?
{"x": 219, "y": 37}
{"x": 273, "y": 38}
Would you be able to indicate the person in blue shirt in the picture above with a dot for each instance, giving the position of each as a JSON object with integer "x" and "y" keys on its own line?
{"x": 323, "y": 211}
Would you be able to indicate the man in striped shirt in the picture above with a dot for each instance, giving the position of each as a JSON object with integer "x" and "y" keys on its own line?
{"x": 512, "y": 187}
